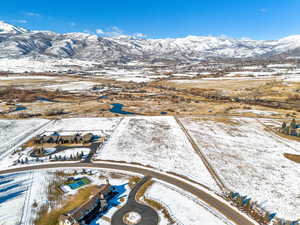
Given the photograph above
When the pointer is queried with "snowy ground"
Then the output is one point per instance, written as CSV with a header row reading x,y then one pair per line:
x,y
292,77
250,160
12,131
14,195
73,86
183,207
244,76
27,77
255,111
73,152
251,73
98,126
137,76
19,191
158,142
49,65
17,132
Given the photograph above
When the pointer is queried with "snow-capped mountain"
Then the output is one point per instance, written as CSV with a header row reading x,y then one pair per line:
x,y
16,42
6,28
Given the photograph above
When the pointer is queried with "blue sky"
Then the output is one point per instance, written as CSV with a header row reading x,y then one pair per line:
x,y
257,19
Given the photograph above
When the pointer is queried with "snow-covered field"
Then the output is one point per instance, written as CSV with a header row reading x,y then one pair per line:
x,y
49,65
17,194
292,77
73,86
19,191
84,124
73,152
205,80
12,131
98,126
27,77
250,160
244,76
136,76
158,142
251,73
183,207
256,111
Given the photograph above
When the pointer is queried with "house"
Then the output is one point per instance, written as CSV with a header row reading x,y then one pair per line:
x,y
46,139
55,138
89,209
292,128
88,137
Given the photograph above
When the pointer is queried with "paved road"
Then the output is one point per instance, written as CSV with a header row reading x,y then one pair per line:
x,y
94,147
228,211
148,215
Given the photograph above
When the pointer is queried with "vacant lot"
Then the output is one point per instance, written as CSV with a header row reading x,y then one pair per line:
x,y
251,161
12,131
158,142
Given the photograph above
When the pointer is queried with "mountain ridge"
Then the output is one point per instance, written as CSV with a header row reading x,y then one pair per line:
x,y
17,42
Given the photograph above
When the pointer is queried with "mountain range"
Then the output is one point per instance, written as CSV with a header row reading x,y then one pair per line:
x,y
17,42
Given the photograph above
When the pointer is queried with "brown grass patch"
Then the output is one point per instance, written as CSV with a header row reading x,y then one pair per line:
x,y
133,181
292,138
143,189
116,175
224,120
293,157
156,205
51,218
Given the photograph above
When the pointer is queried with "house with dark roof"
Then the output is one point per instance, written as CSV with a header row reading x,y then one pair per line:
x,y
292,128
55,138
89,209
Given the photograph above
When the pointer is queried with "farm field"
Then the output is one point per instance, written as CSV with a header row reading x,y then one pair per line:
x,y
250,160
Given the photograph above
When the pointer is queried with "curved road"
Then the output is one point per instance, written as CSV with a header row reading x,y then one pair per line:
x,y
230,212
148,215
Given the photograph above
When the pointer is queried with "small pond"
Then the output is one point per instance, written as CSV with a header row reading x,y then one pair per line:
x,y
103,97
20,108
117,108
42,99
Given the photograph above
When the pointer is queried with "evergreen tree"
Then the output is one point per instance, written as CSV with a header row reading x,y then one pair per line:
x,y
293,124
283,125
240,201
